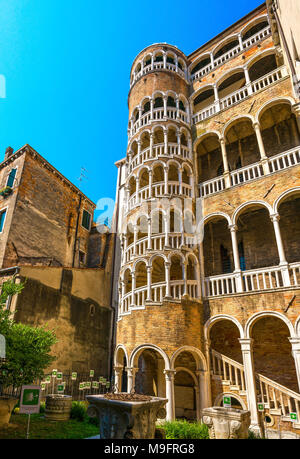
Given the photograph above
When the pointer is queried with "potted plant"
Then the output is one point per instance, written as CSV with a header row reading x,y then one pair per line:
x,y
27,353
126,416
6,191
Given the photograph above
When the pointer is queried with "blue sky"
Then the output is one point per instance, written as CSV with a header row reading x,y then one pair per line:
x,y
67,66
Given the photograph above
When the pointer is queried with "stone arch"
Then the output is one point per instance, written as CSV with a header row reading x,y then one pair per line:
x,y
208,325
282,197
255,317
221,44
249,204
197,354
118,348
271,103
297,327
234,121
139,349
210,217
252,23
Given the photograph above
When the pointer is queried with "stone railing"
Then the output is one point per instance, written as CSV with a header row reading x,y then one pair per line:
x,y
277,399
238,96
172,114
259,36
253,280
157,66
230,371
160,150
252,172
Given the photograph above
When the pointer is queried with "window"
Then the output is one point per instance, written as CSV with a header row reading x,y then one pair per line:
x,y
11,178
225,259
2,219
86,220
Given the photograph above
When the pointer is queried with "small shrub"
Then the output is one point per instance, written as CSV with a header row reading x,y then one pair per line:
x,y
184,430
78,411
42,407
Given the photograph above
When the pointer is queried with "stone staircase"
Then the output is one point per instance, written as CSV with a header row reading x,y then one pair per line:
x,y
278,400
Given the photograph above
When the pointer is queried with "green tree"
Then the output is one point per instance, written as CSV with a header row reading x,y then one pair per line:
x,y
27,348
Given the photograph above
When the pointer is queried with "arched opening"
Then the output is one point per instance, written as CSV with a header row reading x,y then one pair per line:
x,y
157,223
128,281
173,173
204,62
159,57
175,222
130,234
158,270
231,84
254,29
144,178
146,106
226,47
145,140
158,136
256,238
204,99
147,60
171,102
186,175
132,186
134,148
172,135
142,224
176,268
217,247
279,129
141,274
121,361
150,379
185,395
272,351
289,211
209,158
224,336
241,145
262,67
158,102
184,141
192,269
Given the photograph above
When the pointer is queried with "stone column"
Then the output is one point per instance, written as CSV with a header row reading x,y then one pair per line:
x,y
166,225
165,98
150,183
165,60
180,180
140,116
217,100
131,372
151,108
176,63
178,134
133,279
151,144
203,385
170,394
177,107
198,402
262,152
149,234
184,276
167,275
122,296
236,256
208,379
135,235
248,81
137,190
212,60
241,41
295,342
118,378
282,259
152,62
166,172
166,141
246,347
149,281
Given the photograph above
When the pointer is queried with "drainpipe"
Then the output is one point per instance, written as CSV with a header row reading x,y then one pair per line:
x,y
76,231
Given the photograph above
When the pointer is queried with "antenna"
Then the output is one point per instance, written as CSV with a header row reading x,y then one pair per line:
x,y
82,175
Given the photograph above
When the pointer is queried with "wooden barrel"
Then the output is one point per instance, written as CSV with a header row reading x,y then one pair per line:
x,y
58,407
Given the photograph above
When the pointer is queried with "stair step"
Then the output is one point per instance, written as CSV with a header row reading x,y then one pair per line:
x,y
226,383
276,412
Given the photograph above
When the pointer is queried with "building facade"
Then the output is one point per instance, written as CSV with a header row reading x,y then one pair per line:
x,y
209,221
49,242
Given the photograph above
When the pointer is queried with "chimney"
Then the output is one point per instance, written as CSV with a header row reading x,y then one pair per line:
x,y
8,152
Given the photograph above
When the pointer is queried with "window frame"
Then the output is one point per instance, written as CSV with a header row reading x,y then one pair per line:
x,y
90,222
16,169
1,212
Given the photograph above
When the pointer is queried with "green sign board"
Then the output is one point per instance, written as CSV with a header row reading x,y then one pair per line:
x,y
95,385
294,417
261,407
81,386
43,386
54,373
101,379
30,400
59,375
107,385
92,373
227,401
48,379
74,376
60,388
88,385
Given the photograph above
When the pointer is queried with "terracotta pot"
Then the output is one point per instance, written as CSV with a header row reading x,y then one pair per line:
x,y
58,407
7,405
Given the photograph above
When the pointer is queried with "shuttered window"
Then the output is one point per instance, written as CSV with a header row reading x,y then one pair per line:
x,y
11,178
2,219
86,220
